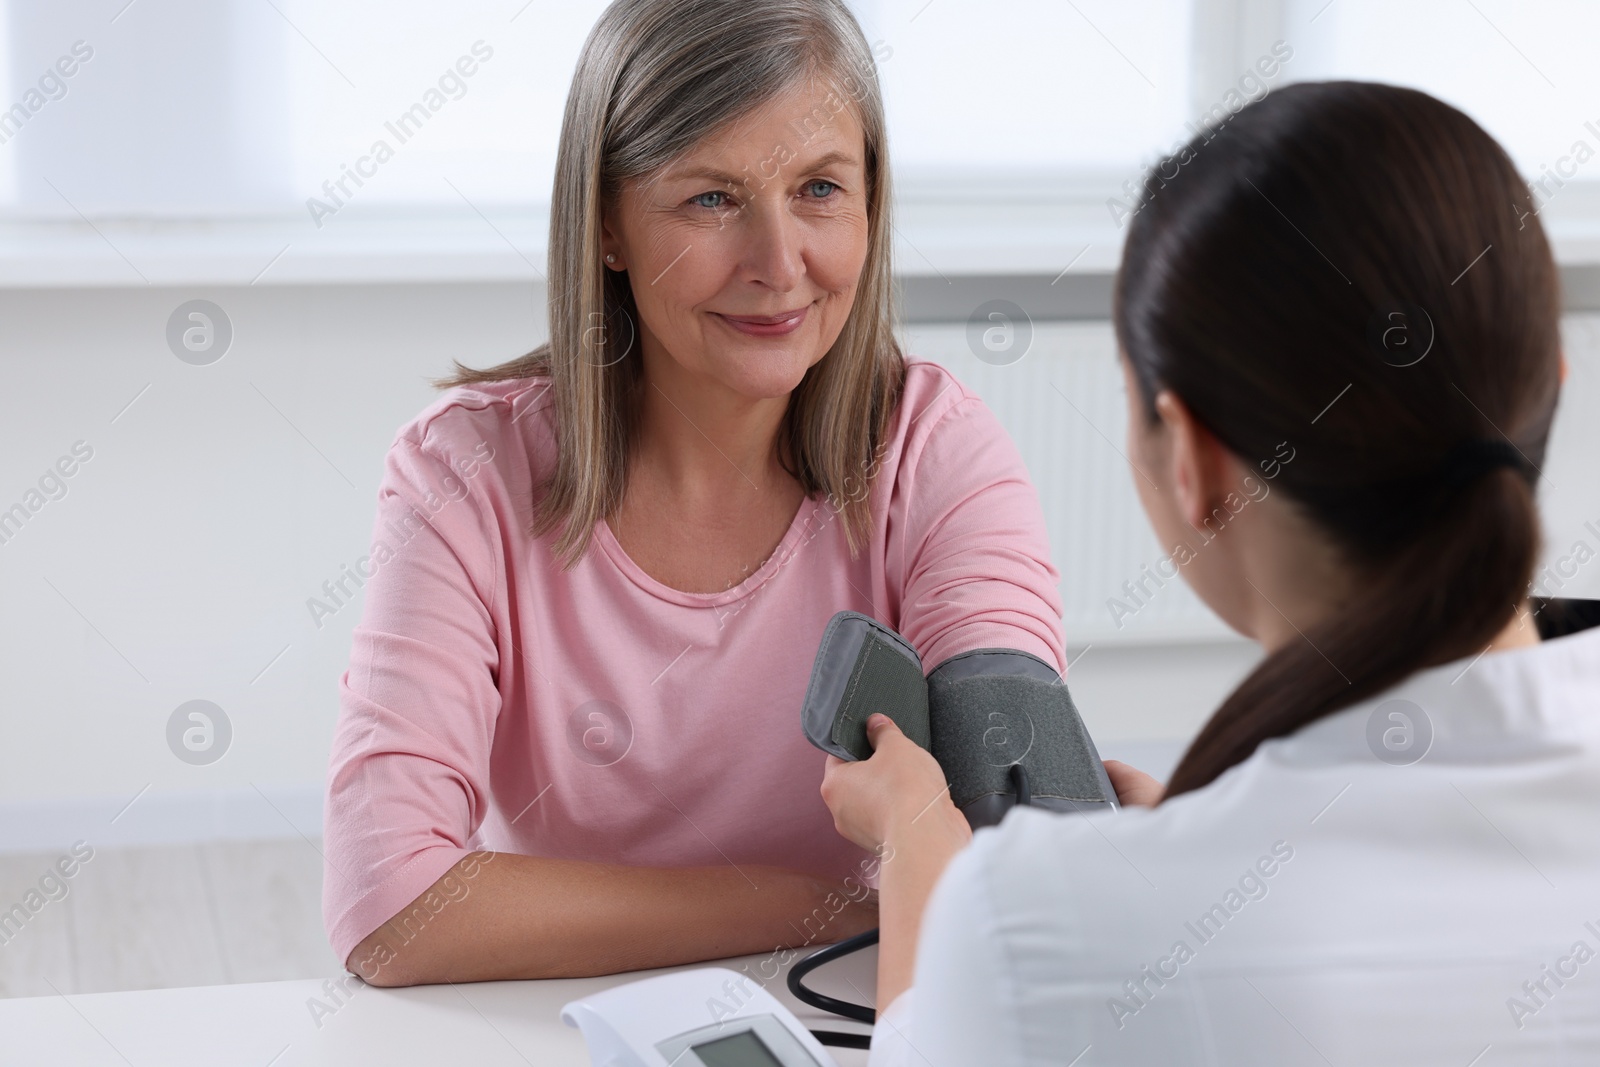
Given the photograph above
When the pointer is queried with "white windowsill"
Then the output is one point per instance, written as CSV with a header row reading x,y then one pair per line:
x,y
945,237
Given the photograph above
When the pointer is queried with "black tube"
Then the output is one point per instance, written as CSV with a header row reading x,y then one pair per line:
x,y
822,1000
840,1039
1019,781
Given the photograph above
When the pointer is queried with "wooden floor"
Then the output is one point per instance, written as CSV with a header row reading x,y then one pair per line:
x,y
160,917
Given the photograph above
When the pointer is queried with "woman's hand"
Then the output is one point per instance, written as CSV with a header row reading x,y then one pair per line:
x,y
1134,787
848,912
877,799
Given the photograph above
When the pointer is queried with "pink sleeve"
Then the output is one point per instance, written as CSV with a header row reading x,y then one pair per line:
x,y
977,557
408,774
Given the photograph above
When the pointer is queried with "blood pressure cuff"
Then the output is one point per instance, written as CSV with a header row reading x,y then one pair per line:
x,y
979,713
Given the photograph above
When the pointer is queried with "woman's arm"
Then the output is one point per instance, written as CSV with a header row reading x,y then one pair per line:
x,y
498,915
897,799
973,558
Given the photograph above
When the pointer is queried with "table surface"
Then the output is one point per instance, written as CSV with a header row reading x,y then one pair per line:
x,y
299,1023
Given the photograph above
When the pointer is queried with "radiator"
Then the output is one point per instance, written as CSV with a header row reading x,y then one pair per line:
x,y
1063,405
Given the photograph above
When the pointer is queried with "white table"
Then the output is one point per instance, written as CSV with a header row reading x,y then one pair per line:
x,y
482,1024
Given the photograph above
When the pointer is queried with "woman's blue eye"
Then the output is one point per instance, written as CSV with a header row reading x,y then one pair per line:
x,y
826,188
698,200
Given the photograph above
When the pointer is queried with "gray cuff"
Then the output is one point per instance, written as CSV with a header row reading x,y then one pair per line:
x,y
863,667
991,708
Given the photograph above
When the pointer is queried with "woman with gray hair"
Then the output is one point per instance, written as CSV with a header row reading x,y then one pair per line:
x,y
568,742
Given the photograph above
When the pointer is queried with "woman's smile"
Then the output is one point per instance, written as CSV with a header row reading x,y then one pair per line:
x,y
779,325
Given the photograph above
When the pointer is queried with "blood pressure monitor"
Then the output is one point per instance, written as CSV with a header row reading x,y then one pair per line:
x,y
709,1017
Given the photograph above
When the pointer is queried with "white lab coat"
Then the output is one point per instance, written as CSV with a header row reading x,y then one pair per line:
x,y
1313,905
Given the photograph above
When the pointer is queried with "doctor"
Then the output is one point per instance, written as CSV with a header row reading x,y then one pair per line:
x,y
566,743
1381,848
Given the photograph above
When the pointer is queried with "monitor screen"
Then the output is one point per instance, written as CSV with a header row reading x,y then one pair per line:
x,y
741,1050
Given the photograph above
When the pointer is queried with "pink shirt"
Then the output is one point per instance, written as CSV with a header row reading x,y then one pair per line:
x,y
495,702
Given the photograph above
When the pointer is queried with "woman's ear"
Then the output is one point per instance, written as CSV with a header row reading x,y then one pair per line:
x,y
1197,460
610,246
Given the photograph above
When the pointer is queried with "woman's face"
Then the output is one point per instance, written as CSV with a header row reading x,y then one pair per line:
x,y
744,255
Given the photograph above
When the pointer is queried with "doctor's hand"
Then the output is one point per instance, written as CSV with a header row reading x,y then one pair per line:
x,y
897,803
898,791
1134,787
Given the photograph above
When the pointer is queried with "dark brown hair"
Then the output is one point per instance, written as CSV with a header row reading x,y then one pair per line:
x,y
1370,248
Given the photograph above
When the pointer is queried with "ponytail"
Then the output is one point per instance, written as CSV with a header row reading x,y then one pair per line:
x,y
1442,597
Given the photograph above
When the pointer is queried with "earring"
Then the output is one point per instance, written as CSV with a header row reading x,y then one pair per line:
x,y
610,257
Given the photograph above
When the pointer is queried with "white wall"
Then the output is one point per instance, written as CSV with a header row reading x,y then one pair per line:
x,y
178,564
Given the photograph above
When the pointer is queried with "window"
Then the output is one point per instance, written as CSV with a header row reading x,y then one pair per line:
x,y
1012,121
1525,70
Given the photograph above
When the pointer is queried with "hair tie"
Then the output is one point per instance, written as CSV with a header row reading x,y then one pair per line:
x,y
1470,460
